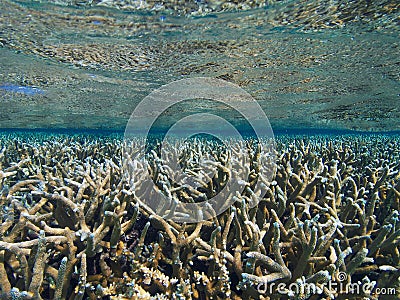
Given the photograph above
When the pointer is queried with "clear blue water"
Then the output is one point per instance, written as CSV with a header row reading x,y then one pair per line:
x,y
326,75
310,65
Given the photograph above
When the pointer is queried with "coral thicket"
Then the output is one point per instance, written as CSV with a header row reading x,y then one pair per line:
x,y
73,227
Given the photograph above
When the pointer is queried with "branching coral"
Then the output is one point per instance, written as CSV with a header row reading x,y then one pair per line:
x,y
73,226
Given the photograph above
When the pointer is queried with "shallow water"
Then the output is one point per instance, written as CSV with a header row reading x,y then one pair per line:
x,y
82,211
309,65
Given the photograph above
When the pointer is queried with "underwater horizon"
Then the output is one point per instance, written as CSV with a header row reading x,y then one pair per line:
x,y
204,149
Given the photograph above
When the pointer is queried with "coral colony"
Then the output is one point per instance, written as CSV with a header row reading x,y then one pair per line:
x,y
73,226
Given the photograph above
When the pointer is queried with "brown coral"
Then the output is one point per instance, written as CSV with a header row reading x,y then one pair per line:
x,y
72,227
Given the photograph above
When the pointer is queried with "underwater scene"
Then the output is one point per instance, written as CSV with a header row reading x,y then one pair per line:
x,y
203,149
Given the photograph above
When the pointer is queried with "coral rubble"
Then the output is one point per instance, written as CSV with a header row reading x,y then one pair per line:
x,y
73,227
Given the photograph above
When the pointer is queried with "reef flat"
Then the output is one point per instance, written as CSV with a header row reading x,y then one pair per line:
x,y
72,226
337,60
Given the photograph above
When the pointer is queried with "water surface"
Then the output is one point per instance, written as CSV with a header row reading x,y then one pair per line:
x,y
318,64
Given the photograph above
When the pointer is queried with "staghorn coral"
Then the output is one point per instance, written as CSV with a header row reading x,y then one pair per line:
x,y
74,227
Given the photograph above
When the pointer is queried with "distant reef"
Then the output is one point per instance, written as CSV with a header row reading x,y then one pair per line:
x,y
73,227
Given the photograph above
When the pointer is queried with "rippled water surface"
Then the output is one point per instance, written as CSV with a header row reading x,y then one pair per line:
x,y
318,64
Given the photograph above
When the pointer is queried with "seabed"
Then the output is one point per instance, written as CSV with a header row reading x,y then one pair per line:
x,y
73,227
318,212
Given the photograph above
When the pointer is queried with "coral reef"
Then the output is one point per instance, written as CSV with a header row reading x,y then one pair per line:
x,y
73,227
